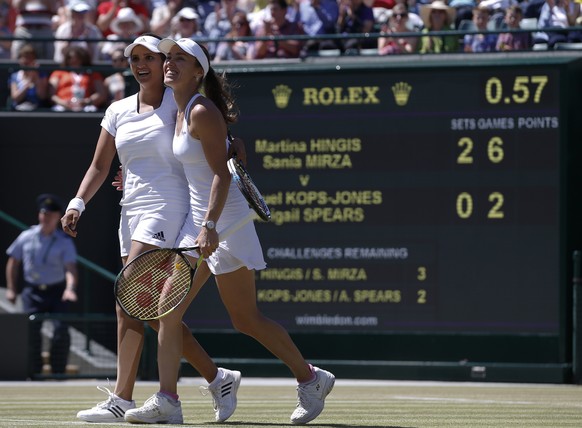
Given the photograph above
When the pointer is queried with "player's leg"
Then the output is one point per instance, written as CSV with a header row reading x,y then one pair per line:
x,y
164,406
222,383
175,339
192,351
129,347
170,348
130,339
238,293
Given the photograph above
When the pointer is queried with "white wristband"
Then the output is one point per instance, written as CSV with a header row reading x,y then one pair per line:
x,y
76,204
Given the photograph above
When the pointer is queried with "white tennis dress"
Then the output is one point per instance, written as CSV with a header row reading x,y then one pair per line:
x,y
155,197
242,248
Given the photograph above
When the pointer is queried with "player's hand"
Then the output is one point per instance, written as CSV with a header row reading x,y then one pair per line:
x,y
207,242
118,179
69,222
237,147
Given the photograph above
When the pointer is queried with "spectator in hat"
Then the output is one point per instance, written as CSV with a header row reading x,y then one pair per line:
x,y
34,25
186,24
126,26
77,26
48,259
437,16
108,11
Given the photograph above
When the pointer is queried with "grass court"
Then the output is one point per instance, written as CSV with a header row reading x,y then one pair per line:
x,y
267,403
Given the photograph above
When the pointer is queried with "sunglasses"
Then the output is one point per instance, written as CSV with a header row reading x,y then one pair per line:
x,y
400,15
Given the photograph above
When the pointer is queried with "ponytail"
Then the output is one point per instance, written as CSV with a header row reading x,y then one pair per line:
x,y
218,90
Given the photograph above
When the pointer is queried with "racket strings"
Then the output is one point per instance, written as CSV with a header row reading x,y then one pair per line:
x,y
251,192
153,284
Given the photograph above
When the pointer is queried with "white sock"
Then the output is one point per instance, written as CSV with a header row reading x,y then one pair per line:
x,y
218,378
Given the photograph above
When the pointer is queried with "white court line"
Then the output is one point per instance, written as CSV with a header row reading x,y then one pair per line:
x,y
460,400
478,401
258,381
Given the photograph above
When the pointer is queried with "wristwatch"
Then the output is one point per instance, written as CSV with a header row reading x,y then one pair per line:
x,y
208,224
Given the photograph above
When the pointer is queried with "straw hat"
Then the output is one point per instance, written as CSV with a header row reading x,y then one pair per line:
x,y
126,14
426,9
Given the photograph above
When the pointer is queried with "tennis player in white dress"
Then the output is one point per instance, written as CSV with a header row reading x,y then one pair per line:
x,y
200,145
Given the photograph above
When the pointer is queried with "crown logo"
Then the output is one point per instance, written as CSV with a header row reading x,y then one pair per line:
x,y
401,91
282,93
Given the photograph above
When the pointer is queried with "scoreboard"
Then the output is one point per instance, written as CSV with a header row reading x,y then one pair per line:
x,y
412,199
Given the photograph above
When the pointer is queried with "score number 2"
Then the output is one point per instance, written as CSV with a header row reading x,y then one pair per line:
x,y
521,92
421,294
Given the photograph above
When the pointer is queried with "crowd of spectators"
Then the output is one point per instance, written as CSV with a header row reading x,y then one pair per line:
x,y
96,30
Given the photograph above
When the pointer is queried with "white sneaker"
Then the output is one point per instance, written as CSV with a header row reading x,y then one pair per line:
x,y
311,397
111,410
157,409
223,390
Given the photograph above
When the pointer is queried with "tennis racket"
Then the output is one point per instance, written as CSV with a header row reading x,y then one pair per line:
x,y
154,283
247,187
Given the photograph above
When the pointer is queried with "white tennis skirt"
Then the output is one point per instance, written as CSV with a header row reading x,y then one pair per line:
x,y
241,249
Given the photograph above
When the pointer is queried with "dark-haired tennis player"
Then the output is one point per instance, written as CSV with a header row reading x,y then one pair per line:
x,y
216,203
155,198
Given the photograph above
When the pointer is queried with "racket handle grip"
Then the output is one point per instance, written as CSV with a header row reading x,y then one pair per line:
x,y
236,226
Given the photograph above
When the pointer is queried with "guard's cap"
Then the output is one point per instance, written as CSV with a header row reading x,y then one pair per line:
x,y
49,202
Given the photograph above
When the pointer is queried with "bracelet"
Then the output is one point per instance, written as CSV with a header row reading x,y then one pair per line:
x,y
76,204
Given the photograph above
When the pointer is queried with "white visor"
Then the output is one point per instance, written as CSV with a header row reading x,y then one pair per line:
x,y
148,42
190,47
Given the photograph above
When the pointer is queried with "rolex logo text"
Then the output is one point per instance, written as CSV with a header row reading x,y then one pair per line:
x,y
352,95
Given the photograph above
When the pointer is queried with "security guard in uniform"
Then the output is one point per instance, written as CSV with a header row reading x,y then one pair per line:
x,y
48,258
